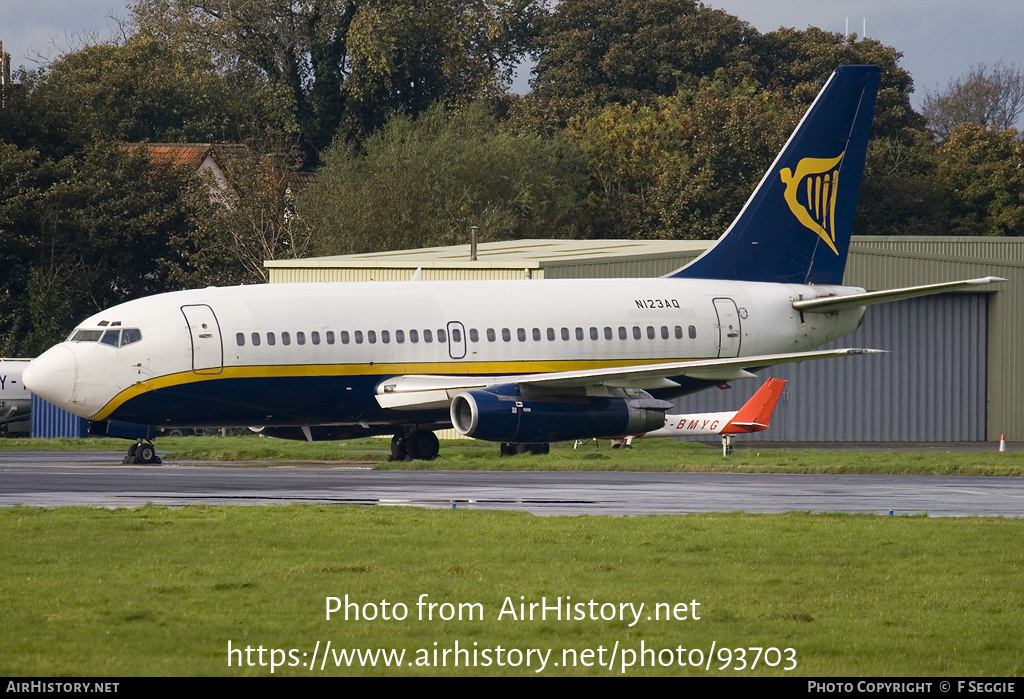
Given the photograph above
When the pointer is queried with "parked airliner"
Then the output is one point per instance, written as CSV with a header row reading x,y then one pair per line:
x,y
15,400
517,362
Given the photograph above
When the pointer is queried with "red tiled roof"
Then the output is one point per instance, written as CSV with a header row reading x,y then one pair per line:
x,y
191,154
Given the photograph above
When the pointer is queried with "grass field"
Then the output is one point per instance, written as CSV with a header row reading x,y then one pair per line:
x,y
162,591
648,455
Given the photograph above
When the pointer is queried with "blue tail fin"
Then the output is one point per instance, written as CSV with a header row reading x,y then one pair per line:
x,y
796,226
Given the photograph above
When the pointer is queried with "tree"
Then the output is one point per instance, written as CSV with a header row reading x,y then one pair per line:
x,y
597,52
138,90
251,220
424,182
352,64
982,177
683,168
986,96
900,193
81,234
592,53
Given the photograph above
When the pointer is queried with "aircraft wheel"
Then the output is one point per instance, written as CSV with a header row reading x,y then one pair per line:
x,y
129,458
423,445
145,453
540,448
399,448
508,449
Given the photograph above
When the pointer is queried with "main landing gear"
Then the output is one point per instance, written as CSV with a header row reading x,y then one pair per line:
x,y
414,444
142,452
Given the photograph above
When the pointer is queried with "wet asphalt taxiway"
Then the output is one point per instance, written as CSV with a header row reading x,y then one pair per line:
x,y
54,479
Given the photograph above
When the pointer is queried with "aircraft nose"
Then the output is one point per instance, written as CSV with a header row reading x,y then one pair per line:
x,y
51,376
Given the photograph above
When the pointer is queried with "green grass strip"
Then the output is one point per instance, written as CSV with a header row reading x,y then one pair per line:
x,y
647,455
163,591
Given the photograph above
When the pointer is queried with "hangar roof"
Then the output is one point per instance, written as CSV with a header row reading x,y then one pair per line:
x,y
535,254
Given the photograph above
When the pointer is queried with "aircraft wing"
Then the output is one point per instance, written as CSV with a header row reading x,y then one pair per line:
x,y
422,391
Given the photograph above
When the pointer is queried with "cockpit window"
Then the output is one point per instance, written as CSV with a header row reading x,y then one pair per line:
x,y
115,337
130,335
86,336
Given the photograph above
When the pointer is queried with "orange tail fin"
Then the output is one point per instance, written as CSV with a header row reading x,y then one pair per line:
x,y
756,413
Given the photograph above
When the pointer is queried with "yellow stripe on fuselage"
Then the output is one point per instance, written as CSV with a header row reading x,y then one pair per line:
x,y
511,368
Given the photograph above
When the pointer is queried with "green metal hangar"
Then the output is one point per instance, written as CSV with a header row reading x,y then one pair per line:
x,y
953,371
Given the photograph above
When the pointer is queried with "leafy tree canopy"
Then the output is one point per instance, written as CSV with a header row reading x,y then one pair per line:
x,y
350,64
426,181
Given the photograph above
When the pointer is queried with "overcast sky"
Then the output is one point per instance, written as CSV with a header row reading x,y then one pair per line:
x,y
940,39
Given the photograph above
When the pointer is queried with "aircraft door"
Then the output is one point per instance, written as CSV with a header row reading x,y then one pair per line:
x,y
728,328
456,340
207,347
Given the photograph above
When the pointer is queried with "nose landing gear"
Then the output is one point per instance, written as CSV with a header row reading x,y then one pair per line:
x,y
142,452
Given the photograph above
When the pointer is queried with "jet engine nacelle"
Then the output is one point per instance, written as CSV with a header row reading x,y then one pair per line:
x,y
502,414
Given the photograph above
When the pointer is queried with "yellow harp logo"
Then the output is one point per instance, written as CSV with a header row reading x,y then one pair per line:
x,y
817,180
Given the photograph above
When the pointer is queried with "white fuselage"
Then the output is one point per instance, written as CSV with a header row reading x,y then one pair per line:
x,y
15,400
319,348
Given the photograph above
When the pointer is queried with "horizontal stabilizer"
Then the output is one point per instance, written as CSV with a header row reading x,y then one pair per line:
x,y
828,304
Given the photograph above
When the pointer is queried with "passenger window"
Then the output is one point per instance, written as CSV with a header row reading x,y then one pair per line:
x,y
240,339
371,337
565,334
551,334
579,333
300,338
344,337
400,336
442,336
330,337
693,333
286,338
474,336
358,336
664,332
521,334
536,334
414,336
607,333
622,333
456,335
255,337
271,339
385,336
506,335
491,337
637,334
315,337
650,332
679,332
427,336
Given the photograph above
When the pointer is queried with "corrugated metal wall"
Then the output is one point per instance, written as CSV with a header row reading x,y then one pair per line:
x,y
931,386
50,421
